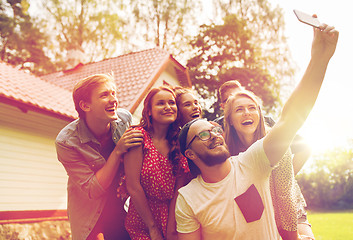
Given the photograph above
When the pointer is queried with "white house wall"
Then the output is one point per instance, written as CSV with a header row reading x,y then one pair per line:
x,y
168,76
31,177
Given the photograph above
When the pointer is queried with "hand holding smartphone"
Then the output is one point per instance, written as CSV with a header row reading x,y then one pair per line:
x,y
306,18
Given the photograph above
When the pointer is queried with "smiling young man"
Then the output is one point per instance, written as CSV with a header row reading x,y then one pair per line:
x,y
230,198
91,149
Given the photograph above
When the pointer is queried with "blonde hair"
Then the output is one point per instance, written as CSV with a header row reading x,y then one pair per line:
x,y
84,88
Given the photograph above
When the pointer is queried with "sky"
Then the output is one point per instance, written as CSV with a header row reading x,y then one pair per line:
x,y
330,124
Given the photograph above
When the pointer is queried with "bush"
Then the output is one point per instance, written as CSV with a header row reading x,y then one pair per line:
x,y
328,184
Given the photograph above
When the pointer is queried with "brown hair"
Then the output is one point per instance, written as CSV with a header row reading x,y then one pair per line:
x,y
231,84
173,130
180,91
233,142
83,89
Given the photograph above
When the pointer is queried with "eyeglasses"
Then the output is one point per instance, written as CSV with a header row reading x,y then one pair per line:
x,y
206,134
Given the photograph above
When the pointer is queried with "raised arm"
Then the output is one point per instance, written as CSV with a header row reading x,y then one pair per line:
x,y
301,101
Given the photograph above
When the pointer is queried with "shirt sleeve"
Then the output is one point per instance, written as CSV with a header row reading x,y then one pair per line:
x,y
81,172
185,218
282,185
255,159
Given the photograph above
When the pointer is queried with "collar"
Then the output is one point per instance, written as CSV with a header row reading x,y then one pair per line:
x,y
84,133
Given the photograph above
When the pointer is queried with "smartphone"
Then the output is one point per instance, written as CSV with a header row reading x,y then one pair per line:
x,y
306,18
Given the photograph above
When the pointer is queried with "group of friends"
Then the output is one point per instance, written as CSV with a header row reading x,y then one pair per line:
x,y
182,177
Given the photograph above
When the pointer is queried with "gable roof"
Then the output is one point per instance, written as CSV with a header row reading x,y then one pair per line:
x,y
28,92
135,74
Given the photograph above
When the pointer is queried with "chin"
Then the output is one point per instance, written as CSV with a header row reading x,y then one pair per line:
x,y
114,117
216,158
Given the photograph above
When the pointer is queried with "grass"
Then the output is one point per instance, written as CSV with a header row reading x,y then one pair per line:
x,y
332,225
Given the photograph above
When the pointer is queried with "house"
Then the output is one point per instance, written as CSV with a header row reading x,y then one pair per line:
x,y
34,109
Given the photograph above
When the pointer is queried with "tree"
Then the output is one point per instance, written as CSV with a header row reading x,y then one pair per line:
x,y
247,45
328,184
267,26
22,41
164,23
91,26
224,52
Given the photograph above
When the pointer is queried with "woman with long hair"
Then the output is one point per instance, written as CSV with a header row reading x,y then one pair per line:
x,y
189,107
244,124
155,170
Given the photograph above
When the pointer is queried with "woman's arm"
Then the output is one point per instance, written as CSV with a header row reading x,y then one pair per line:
x,y
190,236
133,164
171,225
299,159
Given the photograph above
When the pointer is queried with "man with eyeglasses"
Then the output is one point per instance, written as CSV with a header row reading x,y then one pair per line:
x,y
230,196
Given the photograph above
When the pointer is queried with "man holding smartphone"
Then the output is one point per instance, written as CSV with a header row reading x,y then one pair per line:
x,y
230,198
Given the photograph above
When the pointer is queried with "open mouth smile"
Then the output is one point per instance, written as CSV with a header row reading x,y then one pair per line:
x,y
215,144
247,122
195,115
110,109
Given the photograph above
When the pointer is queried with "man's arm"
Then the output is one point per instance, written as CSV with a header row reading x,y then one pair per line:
x,y
300,149
79,170
131,138
301,101
188,226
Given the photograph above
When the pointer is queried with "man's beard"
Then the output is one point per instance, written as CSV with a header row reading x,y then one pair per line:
x,y
211,160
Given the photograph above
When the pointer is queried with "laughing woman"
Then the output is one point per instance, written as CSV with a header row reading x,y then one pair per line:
x,y
188,105
155,171
244,124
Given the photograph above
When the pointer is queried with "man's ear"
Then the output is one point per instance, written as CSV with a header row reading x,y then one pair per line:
x,y
190,154
84,106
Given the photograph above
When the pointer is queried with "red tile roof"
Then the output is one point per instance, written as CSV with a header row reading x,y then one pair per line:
x,y
135,73
25,90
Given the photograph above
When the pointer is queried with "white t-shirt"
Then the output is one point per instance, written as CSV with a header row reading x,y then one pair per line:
x,y
213,208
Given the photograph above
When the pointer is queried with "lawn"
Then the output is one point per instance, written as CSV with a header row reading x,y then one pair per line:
x,y
332,225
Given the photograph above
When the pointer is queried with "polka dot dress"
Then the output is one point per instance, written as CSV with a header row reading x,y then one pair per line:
x,y
158,182
284,194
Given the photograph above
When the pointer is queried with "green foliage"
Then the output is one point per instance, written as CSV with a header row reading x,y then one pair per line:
x,y
267,26
225,52
92,26
163,23
329,183
22,41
